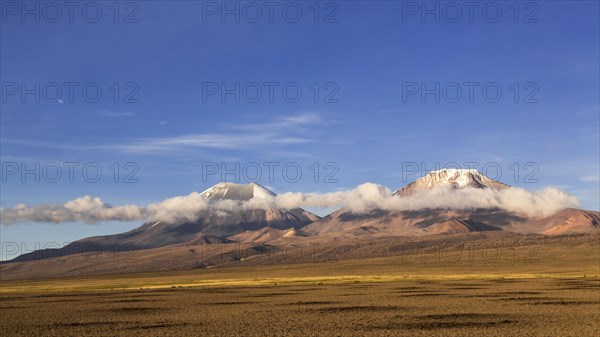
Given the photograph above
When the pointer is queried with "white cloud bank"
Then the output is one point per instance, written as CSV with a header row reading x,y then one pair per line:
x,y
86,209
369,196
361,199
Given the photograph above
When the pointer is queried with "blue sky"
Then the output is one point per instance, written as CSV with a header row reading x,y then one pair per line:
x,y
364,121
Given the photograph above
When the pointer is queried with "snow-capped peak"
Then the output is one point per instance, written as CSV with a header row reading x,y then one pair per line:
x,y
455,178
232,191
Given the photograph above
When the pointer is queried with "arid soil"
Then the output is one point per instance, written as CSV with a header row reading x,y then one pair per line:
x,y
486,286
500,307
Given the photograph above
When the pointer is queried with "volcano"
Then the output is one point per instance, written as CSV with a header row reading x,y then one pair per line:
x,y
454,178
210,226
240,223
345,223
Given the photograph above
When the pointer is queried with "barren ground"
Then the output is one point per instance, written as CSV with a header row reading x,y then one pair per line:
x,y
553,292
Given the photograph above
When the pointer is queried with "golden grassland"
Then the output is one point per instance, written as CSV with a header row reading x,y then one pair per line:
x,y
545,291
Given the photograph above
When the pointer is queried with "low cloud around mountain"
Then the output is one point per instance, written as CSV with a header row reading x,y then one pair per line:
x,y
363,198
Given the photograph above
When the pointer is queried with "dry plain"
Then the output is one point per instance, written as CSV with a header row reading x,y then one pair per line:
x,y
557,293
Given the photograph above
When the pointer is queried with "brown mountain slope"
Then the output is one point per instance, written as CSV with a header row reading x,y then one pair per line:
x,y
267,234
344,223
313,249
568,221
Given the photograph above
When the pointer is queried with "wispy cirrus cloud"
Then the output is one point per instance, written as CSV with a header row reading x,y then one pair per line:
x,y
108,113
292,122
276,133
214,141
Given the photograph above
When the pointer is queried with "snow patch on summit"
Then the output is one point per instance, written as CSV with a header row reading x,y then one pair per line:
x,y
454,178
232,191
